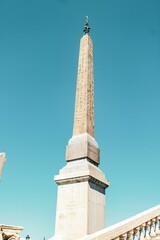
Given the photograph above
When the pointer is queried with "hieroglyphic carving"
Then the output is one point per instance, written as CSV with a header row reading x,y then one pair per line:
x,y
84,105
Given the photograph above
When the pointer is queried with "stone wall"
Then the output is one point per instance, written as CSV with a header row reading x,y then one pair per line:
x,y
10,232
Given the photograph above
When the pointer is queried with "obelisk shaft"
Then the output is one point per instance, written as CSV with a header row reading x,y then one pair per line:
x,y
83,144
84,105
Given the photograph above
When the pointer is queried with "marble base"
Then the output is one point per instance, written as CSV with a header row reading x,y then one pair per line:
x,y
80,201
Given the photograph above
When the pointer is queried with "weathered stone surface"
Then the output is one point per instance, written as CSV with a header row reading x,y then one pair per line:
x,y
82,146
84,105
77,170
8,232
81,200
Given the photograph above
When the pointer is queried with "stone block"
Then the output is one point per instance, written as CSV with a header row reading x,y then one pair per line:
x,y
83,146
81,200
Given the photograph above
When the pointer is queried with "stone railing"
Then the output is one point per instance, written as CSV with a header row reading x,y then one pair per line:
x,y
145,225
10,232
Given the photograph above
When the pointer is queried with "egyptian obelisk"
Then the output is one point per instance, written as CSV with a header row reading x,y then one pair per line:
x,y
81,184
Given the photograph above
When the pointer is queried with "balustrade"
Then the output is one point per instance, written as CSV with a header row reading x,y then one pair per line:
x,y
143,226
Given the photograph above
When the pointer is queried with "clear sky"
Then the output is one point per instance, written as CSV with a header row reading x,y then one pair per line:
x,y
39,47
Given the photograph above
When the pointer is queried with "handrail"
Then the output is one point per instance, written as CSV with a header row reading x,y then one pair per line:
x,y
139,224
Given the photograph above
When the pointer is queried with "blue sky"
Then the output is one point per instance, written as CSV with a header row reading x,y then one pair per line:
x,y
39,47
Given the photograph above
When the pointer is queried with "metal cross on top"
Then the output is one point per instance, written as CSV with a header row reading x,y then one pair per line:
x,y
86,26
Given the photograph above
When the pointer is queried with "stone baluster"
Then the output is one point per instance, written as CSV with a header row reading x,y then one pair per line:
x,y
158,228
147,231
129,235
142,227
123,237
153,233
141,231
135,233
1,235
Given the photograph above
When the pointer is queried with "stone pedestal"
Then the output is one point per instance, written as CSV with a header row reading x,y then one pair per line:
x,y
83,146
81,200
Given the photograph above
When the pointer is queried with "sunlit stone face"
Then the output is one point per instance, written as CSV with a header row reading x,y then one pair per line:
x,y
83,144
84,105
2,160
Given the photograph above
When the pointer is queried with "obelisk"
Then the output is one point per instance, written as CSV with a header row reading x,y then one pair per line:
x,y
81,184
83,144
